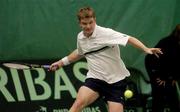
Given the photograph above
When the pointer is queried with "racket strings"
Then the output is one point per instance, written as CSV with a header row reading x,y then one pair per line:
x,y
25,66
16,66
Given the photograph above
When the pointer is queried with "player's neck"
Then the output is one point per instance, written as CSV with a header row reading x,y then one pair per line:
x,y
87,35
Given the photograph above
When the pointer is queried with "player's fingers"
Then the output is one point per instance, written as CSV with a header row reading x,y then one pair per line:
x,y
53,67
158,50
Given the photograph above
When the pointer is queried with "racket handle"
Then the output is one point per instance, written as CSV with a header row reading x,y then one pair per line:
x,y
46,66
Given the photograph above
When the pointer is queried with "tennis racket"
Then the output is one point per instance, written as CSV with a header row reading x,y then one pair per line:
x,y
22,66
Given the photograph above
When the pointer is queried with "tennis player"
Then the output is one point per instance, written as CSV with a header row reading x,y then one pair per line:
x,y
107,72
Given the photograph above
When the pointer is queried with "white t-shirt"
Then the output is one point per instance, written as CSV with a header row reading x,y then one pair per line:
x,y
106,64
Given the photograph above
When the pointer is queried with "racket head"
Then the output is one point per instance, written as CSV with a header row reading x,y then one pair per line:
x,y
16,66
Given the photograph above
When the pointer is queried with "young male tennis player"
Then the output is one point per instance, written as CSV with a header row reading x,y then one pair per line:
x,y
107,72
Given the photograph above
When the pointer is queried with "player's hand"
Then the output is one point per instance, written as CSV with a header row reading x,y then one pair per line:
x,y
161,82
55,66
155,51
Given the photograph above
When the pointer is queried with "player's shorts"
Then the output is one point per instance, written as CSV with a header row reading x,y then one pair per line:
x,y
109,92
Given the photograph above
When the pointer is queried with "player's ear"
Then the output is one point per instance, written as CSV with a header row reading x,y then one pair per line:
x,y
95,18
80,24
79,21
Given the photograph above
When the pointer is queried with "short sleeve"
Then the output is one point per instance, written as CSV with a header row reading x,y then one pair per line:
x,y
79,49
112,37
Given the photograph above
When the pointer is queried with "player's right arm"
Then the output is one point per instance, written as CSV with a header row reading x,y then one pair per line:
x,y
72,57
138,44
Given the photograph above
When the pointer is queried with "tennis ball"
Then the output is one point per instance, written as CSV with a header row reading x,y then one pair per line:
x,y
128,93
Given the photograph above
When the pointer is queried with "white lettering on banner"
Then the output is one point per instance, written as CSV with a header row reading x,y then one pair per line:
x,y
87,109
38,81
32,82
76,70
60,110
67,87
17,84
92,109
3,89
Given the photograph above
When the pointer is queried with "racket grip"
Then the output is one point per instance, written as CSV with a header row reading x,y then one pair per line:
x,y
46,66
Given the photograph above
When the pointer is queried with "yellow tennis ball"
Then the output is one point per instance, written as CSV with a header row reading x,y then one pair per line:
x,y
128,93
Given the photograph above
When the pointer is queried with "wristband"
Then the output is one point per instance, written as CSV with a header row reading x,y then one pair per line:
x,y
65,61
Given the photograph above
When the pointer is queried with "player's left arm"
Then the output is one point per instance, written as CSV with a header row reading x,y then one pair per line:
x,y
138,44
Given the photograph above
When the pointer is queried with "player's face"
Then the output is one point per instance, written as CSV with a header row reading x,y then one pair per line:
x,y
88,25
